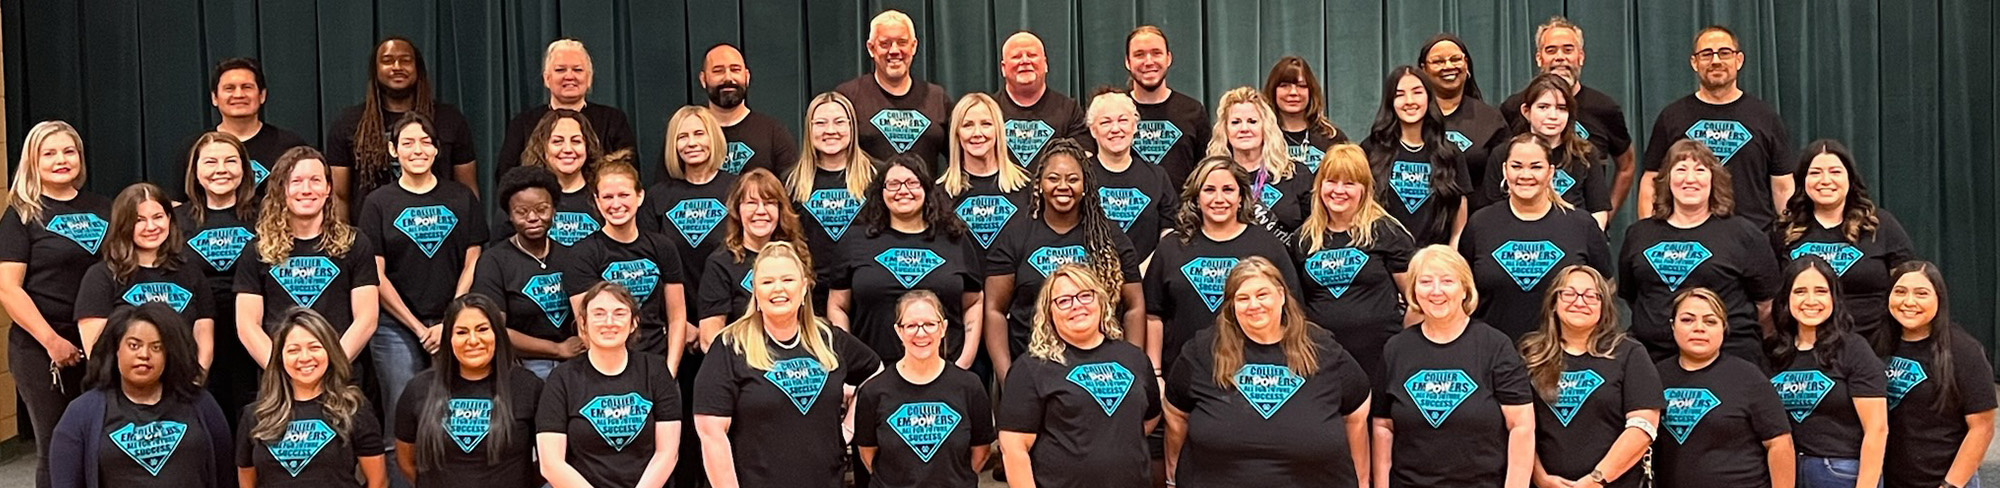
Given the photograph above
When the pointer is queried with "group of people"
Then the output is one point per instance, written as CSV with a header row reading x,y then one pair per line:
x,y
916,282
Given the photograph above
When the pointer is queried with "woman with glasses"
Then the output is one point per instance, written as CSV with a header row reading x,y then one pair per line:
x,y
1075,410
925,422
1597,393
905,240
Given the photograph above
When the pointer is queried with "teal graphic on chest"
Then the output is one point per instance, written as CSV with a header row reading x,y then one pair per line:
x,y
1674,261
1154,138
834,209
1581,131
569,227
1412,183
302,441
739,155
305,278
1801,391
258,170
1573,389
924,426
427,226
1840,255
85,229
1458,139
1723,137
909,265
1685,409
1306,154
220,246
901,128
985,216
1335,269
746,280
1207,276
1025,139
546,291
1562,182
1046,259
1436,393
1527,262
1106,383
1269,195
618,418
800,379
639,276
150,444
1904,375
1267,386
467,421
695,217
1123,205
159,292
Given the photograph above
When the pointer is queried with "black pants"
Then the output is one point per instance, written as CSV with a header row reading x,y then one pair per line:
x,y
689,472
45,398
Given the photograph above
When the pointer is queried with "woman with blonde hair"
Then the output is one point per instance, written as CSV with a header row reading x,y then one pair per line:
x,y
1516,245
981,178
306,256
1597,394
310,425
1076,367
1694,241
1248,133
692,202
1352,259
831,180
1727,426
1141,198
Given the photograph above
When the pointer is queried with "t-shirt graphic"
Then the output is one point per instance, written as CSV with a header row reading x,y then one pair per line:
x,y
1438,392
1562,182
1335,268
1801,391
468,422
618,418
1412,183
1685,408
908,264
1025,139
428,226
1458,139
305,278
1306,154
639,276
1267,386
695,217
150,444
85,229
303,440
547,292
800,378
569,227
1581,131
258,170
159,292
900,127
1269,196
1675,260
1208,276
1904,375
1723,137
220,246
746,281
739,155
924,426
1106,382
985,216
834,208
1123,205
1840,255
1527,262
1573,389
1154,138
1047,259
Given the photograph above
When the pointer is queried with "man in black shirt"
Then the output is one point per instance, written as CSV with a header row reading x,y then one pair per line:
x,y
567,73
238,94
1173,127
1599,119
755,140
398,84
1742,131
896,113
1035,114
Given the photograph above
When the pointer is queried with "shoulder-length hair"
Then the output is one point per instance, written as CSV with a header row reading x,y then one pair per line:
x,y
26,193
936,211
1944,333
1440,256
1188,218
274,230
1385,136
1548,155
121,252
1858,219
1344,162
956,180
339,398
246,186
746,335
1277,158
1576,151
433,443
761,182
718,145
1294,69
1301,355
1782,346
1721,193
1043,341
860,169
536,153
1543,349
1471,83
181,368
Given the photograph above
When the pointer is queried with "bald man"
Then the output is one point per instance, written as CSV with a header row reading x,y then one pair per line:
x,y
1035,114
567,74
755,140
895,112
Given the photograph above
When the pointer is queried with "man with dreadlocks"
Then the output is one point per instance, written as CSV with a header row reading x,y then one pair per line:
x,y
357,143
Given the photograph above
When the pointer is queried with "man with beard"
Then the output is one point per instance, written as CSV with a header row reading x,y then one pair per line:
x,y
357,142
1468,121
897,114
1035,114
238,92
567,73
1173,127
755,140
1742,131
1599,119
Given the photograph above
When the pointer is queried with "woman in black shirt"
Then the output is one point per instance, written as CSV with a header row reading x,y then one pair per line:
x,y
467,421
163,430
760,212
1248,133
984,182
906,240
1352,259
1138,197
310,426
646,263
1547,117
1516,245
690,204
143,265
1424,176
1940,387
1725,424
1832,216
568,147
830,181
1215,231
1829,380
218,222
1296,96
306,256
1077,368
532,277
1692,241
611,417
1598,392
904,418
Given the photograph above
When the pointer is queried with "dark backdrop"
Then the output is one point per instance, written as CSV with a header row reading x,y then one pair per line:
x,y
1907,83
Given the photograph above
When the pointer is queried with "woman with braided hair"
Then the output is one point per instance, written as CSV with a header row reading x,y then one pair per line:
x,y
358,151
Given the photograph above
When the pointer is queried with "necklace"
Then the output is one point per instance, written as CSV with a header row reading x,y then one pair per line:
x,y
516,240
1415,149
794,344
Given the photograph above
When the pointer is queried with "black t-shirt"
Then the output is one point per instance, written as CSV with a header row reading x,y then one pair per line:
x,y
1308,147
311,278
827,219
1586,188
725,284
877,270
1408,195
312,453
215,246
1282,206
1445,402
1029,250
1351,290
468,419
614,131
910,424
986,210
1746,134
1029,129
1863,266
1088,414
181,288
1713,429
790,428
64,239
1922,441
1479,130
1820,396
422,239
1173,134
916,122
759,141
576,217
1141,200
453,139
1595,117
644,267
1185,281
1723,254
1515,261
264,148
1252,434
609,419
535,292
690,215
1575,430
153,445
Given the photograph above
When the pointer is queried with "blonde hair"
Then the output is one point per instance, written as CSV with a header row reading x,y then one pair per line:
x,y
1548,187
860,170
1300,353
1438,255
27,190
1345,162
1043,341
274,229
1108,101
956,180
888,17
717,145
746,335
568,44
1277,159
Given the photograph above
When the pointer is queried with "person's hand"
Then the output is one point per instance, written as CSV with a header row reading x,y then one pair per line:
x,y
1553,481
62,352
570,348
432,337
693,334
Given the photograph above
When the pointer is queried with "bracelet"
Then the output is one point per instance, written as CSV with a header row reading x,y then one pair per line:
x,y
1652,432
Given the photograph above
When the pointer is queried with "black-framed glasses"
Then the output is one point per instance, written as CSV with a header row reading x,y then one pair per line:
x,y
1570,295
1446,60
1724,53
900,185
928,326
1066,302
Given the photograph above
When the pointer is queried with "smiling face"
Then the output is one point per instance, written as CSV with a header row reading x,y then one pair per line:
x,y
529,211
891,46
1440,293
1527,171
566,149
831,128
1411,100
1447,64
1342,196
1245,127
759,213
921,328
304,357
1690,181
1074,310
396,65
977,132
1913,302
567,75
1147,60
903,192
1560,52
237,94
1716,59
1547,115
1260,304
1220,197
472,340
607,322
60,161
306,189
142,358
1826,181
150,231
219,169
414,150
1810,299
779,285
1292,97
618,199
1061,183
1022,62
1699,328
1113,129
691,142
1578,304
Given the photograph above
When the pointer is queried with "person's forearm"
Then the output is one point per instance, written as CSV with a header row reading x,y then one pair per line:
x,y
1621,183
22,309
1155,336
1644,206
1014,458
718,458
531,346
677,326
1385,435
1520,455
366,314
465,274
1624,454
836,309
996,343
979,455
1134,322
1458,220
1781,193
88,329
1874,414
974,317
1175,438
666,447
375,470
467,174
392,301
1971,450
1782,461
204,342
406,460
250,328
710,327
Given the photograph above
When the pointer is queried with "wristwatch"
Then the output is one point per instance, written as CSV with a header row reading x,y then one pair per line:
x,y
1597,475
1947,484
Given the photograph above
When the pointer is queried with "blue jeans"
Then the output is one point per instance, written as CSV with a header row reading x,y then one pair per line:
x,y
1819,472
540,367
398,355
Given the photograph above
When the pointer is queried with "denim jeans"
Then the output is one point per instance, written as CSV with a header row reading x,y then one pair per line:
x,y
540,367
398,355
1819,472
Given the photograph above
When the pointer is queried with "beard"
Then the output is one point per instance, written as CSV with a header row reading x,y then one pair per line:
x,y
730,98
1143,86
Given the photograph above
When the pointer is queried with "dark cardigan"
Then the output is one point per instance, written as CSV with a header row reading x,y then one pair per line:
x,y
73,452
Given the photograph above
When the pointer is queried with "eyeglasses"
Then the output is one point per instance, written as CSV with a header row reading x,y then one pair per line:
x,y
1724,53
1066,302
1446,61
927,327
1571,296
900,185
530,210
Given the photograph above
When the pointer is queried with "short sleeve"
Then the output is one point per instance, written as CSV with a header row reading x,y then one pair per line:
x,y
1597,185
1510,376
666,393
1001,258
1394,245
204,298
1628,261
1128,258
249,270
1782,161
981,406
370,222
462,149
552,413
367,433
1973,374
476,232
975,273
245,445
1142,367
1021,399
486,278
1656,144
1597,246
858,359
1170,199
340,138
1181,378
1353,387
1896,246
15,249
406,407
866,418
715,385
715,290
1155,284
93,296
668,256
1865,375
361,258
581,270
1767,413
1760,269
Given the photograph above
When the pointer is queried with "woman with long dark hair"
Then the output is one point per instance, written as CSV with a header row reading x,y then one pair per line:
x,y
468,420
568,147
1725,425
1352,259
1300,102
611,417
1214,233
760,212
1829,379
907,240
1515,245
1597,393
923,407
1470,124
306,256
1548,117
1423,175
218,222
1076,409
1832,216
142,265
1694,240
310,426
1940,387
144,421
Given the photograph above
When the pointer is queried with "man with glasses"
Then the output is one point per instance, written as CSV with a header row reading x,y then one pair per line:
x,y
1035,114
1597,117
1742,131
1468,121
755,140
896,113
